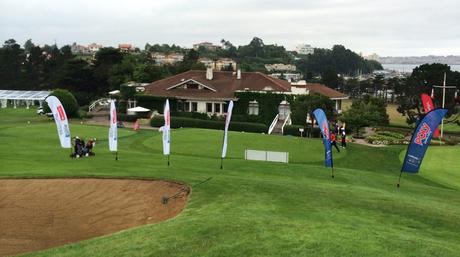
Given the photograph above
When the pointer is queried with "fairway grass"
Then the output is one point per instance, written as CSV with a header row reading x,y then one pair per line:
x,y
255,208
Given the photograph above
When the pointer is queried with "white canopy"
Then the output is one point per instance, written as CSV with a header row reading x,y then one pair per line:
x,y
138,109
23,95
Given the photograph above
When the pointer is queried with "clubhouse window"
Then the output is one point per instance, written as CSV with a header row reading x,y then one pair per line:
x,y
217,107
194,106
208,107
187,106
253,108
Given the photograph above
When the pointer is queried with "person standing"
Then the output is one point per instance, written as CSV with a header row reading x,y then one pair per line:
x,y
344,138
334,142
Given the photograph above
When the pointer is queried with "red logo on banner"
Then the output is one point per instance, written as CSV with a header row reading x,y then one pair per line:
x,y
167,118
61,113
114,116
326,130
422,134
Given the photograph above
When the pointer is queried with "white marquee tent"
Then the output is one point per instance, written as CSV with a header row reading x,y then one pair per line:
x,y
18,97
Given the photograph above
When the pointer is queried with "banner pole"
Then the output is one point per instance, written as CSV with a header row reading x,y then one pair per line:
x,y
399,180
168,159
333,172
221,163
116,156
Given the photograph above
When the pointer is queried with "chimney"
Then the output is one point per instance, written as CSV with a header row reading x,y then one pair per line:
x,y
238,74
209,73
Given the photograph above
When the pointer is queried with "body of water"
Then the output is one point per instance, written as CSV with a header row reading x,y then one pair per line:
x,y
410,67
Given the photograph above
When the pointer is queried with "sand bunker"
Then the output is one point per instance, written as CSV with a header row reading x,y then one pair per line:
x,y
42,213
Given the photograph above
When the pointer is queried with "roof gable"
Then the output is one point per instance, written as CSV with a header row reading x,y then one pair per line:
x,y
190,80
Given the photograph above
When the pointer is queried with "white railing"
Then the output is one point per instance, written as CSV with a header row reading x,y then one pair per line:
x,y
102,101
272,126
286,121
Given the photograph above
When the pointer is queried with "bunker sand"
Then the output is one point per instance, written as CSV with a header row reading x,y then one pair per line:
x,y
37,214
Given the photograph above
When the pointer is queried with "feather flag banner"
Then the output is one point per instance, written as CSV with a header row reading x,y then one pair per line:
x,y
62,123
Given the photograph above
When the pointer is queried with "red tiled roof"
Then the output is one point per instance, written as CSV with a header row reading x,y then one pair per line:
x,y
323,90
125,46
224,85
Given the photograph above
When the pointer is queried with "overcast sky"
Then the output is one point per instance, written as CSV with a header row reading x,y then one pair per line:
x,y
385,27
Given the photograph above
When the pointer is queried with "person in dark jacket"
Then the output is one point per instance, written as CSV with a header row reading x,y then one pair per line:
x,y
334,142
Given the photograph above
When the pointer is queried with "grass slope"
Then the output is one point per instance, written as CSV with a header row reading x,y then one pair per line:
x,y
255,208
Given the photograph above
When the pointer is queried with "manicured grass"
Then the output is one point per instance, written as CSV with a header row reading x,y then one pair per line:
x,y
442,165
256,208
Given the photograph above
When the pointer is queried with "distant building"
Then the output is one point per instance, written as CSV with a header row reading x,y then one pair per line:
x,y
79,49
218,65
162,59
125,48
302,88
304,49
287,76
207,45
94,47
209,63
280,67
224,64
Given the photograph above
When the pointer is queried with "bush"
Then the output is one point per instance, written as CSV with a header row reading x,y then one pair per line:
x,y
67,100
246,118
179,122
387,138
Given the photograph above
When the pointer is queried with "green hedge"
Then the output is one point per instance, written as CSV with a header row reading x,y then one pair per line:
x,y
179,122
293,130
193,115
268,104
155,103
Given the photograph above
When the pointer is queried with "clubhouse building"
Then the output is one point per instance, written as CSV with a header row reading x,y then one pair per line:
x,y
208,91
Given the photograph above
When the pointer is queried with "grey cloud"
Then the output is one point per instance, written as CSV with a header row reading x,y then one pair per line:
x,y
387,27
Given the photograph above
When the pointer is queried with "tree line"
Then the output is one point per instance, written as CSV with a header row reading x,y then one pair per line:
x,y
33,67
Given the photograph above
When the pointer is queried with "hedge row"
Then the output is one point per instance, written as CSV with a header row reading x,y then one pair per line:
x,y
293,130
179,122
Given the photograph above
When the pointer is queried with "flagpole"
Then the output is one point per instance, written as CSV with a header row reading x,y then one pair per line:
x,y
399,180
443,103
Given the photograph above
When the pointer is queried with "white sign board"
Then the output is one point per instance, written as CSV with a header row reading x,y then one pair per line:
x,y
269,156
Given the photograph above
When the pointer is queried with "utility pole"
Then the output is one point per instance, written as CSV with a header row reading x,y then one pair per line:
x,y
444,100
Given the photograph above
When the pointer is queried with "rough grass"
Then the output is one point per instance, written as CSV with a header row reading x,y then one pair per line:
x,y
256,208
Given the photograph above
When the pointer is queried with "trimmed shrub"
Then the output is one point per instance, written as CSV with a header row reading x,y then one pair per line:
x,y
179,122
387,138
193,115
68,101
